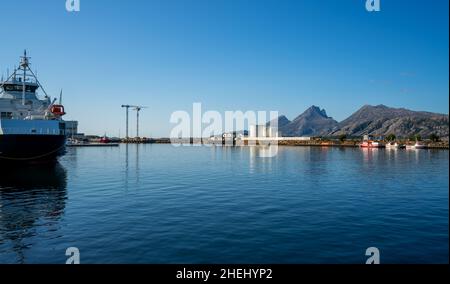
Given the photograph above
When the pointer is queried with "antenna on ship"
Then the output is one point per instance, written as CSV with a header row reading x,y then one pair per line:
x,y
24,66
7,80
24,63
60,97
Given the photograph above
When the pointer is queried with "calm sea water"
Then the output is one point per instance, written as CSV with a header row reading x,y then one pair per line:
x,y
161,204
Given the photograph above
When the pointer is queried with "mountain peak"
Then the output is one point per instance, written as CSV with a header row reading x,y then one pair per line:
x,y
381,106
316,110
282,121
313,122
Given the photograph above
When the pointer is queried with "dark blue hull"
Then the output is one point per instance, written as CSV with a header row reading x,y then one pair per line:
x,y
25,148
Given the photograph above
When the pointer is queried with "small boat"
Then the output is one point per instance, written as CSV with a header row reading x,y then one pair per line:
x,y
371,144
105,140
416,146
394,145
71,141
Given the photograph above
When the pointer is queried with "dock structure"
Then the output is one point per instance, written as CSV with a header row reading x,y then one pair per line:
x,y
136,140
93,145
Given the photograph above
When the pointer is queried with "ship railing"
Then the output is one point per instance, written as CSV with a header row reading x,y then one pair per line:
x,y
33,131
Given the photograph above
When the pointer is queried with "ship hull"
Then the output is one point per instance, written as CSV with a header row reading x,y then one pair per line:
x,y
29,148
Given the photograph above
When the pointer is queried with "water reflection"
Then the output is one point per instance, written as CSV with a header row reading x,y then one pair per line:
x,y
132,164
262,158
137,163
370,155
30,197
414,155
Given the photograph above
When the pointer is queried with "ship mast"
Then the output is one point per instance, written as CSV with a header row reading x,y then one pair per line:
x,y
24,66
25,63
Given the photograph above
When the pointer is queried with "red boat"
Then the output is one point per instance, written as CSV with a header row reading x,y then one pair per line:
x,y
105,140
371,144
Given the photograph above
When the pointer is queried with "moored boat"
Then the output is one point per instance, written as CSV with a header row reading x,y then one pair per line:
x,y
371,144
394,145
31,128
105,140
417,146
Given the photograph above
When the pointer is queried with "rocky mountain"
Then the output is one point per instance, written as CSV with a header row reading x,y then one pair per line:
x,y
383,120
373,120
282,121
313,122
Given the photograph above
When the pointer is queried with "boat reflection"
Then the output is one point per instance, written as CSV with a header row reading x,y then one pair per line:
x,y
30,195
370,154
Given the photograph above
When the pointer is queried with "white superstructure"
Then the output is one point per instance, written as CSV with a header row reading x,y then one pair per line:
x,y
21,109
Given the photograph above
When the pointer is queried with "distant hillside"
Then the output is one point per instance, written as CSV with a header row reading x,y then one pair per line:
x,y
372,120
383,120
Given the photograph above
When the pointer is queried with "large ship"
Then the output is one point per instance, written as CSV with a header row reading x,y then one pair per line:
x,y
31,126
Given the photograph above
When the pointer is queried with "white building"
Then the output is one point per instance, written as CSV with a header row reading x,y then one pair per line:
x,y
262,131
367,137
267,133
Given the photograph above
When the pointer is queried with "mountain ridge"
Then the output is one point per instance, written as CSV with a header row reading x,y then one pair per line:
x,y
372,120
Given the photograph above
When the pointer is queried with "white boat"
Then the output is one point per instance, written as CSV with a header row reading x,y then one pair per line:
x,y
394,145
416,146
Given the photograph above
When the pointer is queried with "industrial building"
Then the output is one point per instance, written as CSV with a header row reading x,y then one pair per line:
x,y
267,133
263,131
71,128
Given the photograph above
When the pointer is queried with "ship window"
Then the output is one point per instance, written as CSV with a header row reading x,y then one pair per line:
x,y
18,88
30,89
6,115
13,88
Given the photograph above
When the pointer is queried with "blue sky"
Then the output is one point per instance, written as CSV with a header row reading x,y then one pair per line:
x,y
230,55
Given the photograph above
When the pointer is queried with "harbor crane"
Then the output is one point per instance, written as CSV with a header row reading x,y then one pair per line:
x,y
138,110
